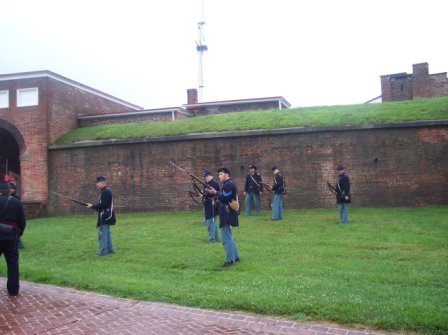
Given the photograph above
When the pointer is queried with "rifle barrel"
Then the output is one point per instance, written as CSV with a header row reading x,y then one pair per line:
x,y
190,174
70,198
187,190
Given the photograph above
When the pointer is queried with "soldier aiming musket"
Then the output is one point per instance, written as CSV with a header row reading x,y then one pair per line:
x,y
194,180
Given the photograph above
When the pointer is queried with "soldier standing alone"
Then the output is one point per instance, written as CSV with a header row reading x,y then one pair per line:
x,y
278,188
343,197
253,189
106,217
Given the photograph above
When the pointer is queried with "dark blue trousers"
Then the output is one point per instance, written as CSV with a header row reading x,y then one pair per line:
x,y
9,249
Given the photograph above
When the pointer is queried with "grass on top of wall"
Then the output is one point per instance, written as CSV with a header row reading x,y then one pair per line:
x,y
385,270
412,110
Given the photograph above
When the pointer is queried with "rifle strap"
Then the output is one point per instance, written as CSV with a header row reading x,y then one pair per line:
x,y
258,185
254,180
339,186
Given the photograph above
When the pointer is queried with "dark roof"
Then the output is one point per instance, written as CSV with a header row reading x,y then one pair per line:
x,y
399,75
136,113
279,99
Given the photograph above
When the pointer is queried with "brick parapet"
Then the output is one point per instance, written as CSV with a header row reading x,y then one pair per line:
x,y
138,116
420,84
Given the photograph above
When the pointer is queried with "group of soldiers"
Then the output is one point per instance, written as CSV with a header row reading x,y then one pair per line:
x,y
218,202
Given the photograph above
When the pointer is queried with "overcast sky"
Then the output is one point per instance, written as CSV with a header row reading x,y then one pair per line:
x,y
314,52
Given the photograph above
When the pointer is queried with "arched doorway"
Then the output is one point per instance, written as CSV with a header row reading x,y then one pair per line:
x,y
11,143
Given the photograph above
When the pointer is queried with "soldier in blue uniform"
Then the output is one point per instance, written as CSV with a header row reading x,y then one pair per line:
x,y
343,198
12,226
228,217
13,193
278,188
106,217
253,189
211,206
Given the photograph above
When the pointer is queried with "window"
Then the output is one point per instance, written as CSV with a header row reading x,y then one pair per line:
x,y
4,99
27,97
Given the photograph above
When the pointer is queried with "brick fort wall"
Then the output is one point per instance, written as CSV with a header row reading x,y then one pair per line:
x,y
389,165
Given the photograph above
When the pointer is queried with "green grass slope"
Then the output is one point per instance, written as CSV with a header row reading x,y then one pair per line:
x,y
362,114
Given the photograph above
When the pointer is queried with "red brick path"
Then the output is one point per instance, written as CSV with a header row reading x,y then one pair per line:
x,y
45,309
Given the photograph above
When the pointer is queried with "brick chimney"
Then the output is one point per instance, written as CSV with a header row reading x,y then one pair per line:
x,y
386,90
192,96
420,70
421,86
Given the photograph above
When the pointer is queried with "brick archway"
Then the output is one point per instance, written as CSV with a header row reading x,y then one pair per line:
x,y
13,149
12,146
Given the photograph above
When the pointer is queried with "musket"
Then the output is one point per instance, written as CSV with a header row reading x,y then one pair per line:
x,y
70,198
193,195
268,188
194,179
331,187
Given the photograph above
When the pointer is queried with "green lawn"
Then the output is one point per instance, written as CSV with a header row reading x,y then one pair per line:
x,y
386,270
362,114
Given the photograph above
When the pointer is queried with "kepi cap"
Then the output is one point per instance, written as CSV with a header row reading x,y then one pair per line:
x,y
340,167
100,178
224,170
252,167
207,172
274,168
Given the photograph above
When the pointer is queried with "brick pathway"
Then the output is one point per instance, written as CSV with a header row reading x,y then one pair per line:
x,y
45,309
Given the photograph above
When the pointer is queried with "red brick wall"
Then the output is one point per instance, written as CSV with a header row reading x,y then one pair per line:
x,y
419,85
35,127
439,84
388,167
31,124
401,89
386,92
67,102
429,86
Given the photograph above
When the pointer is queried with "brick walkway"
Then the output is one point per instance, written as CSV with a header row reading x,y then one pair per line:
x,y
45,309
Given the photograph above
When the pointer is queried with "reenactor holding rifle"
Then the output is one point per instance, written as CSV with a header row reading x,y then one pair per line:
x,y
253,188
211,206
228,215
106,217
343,197
278,188
342,192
